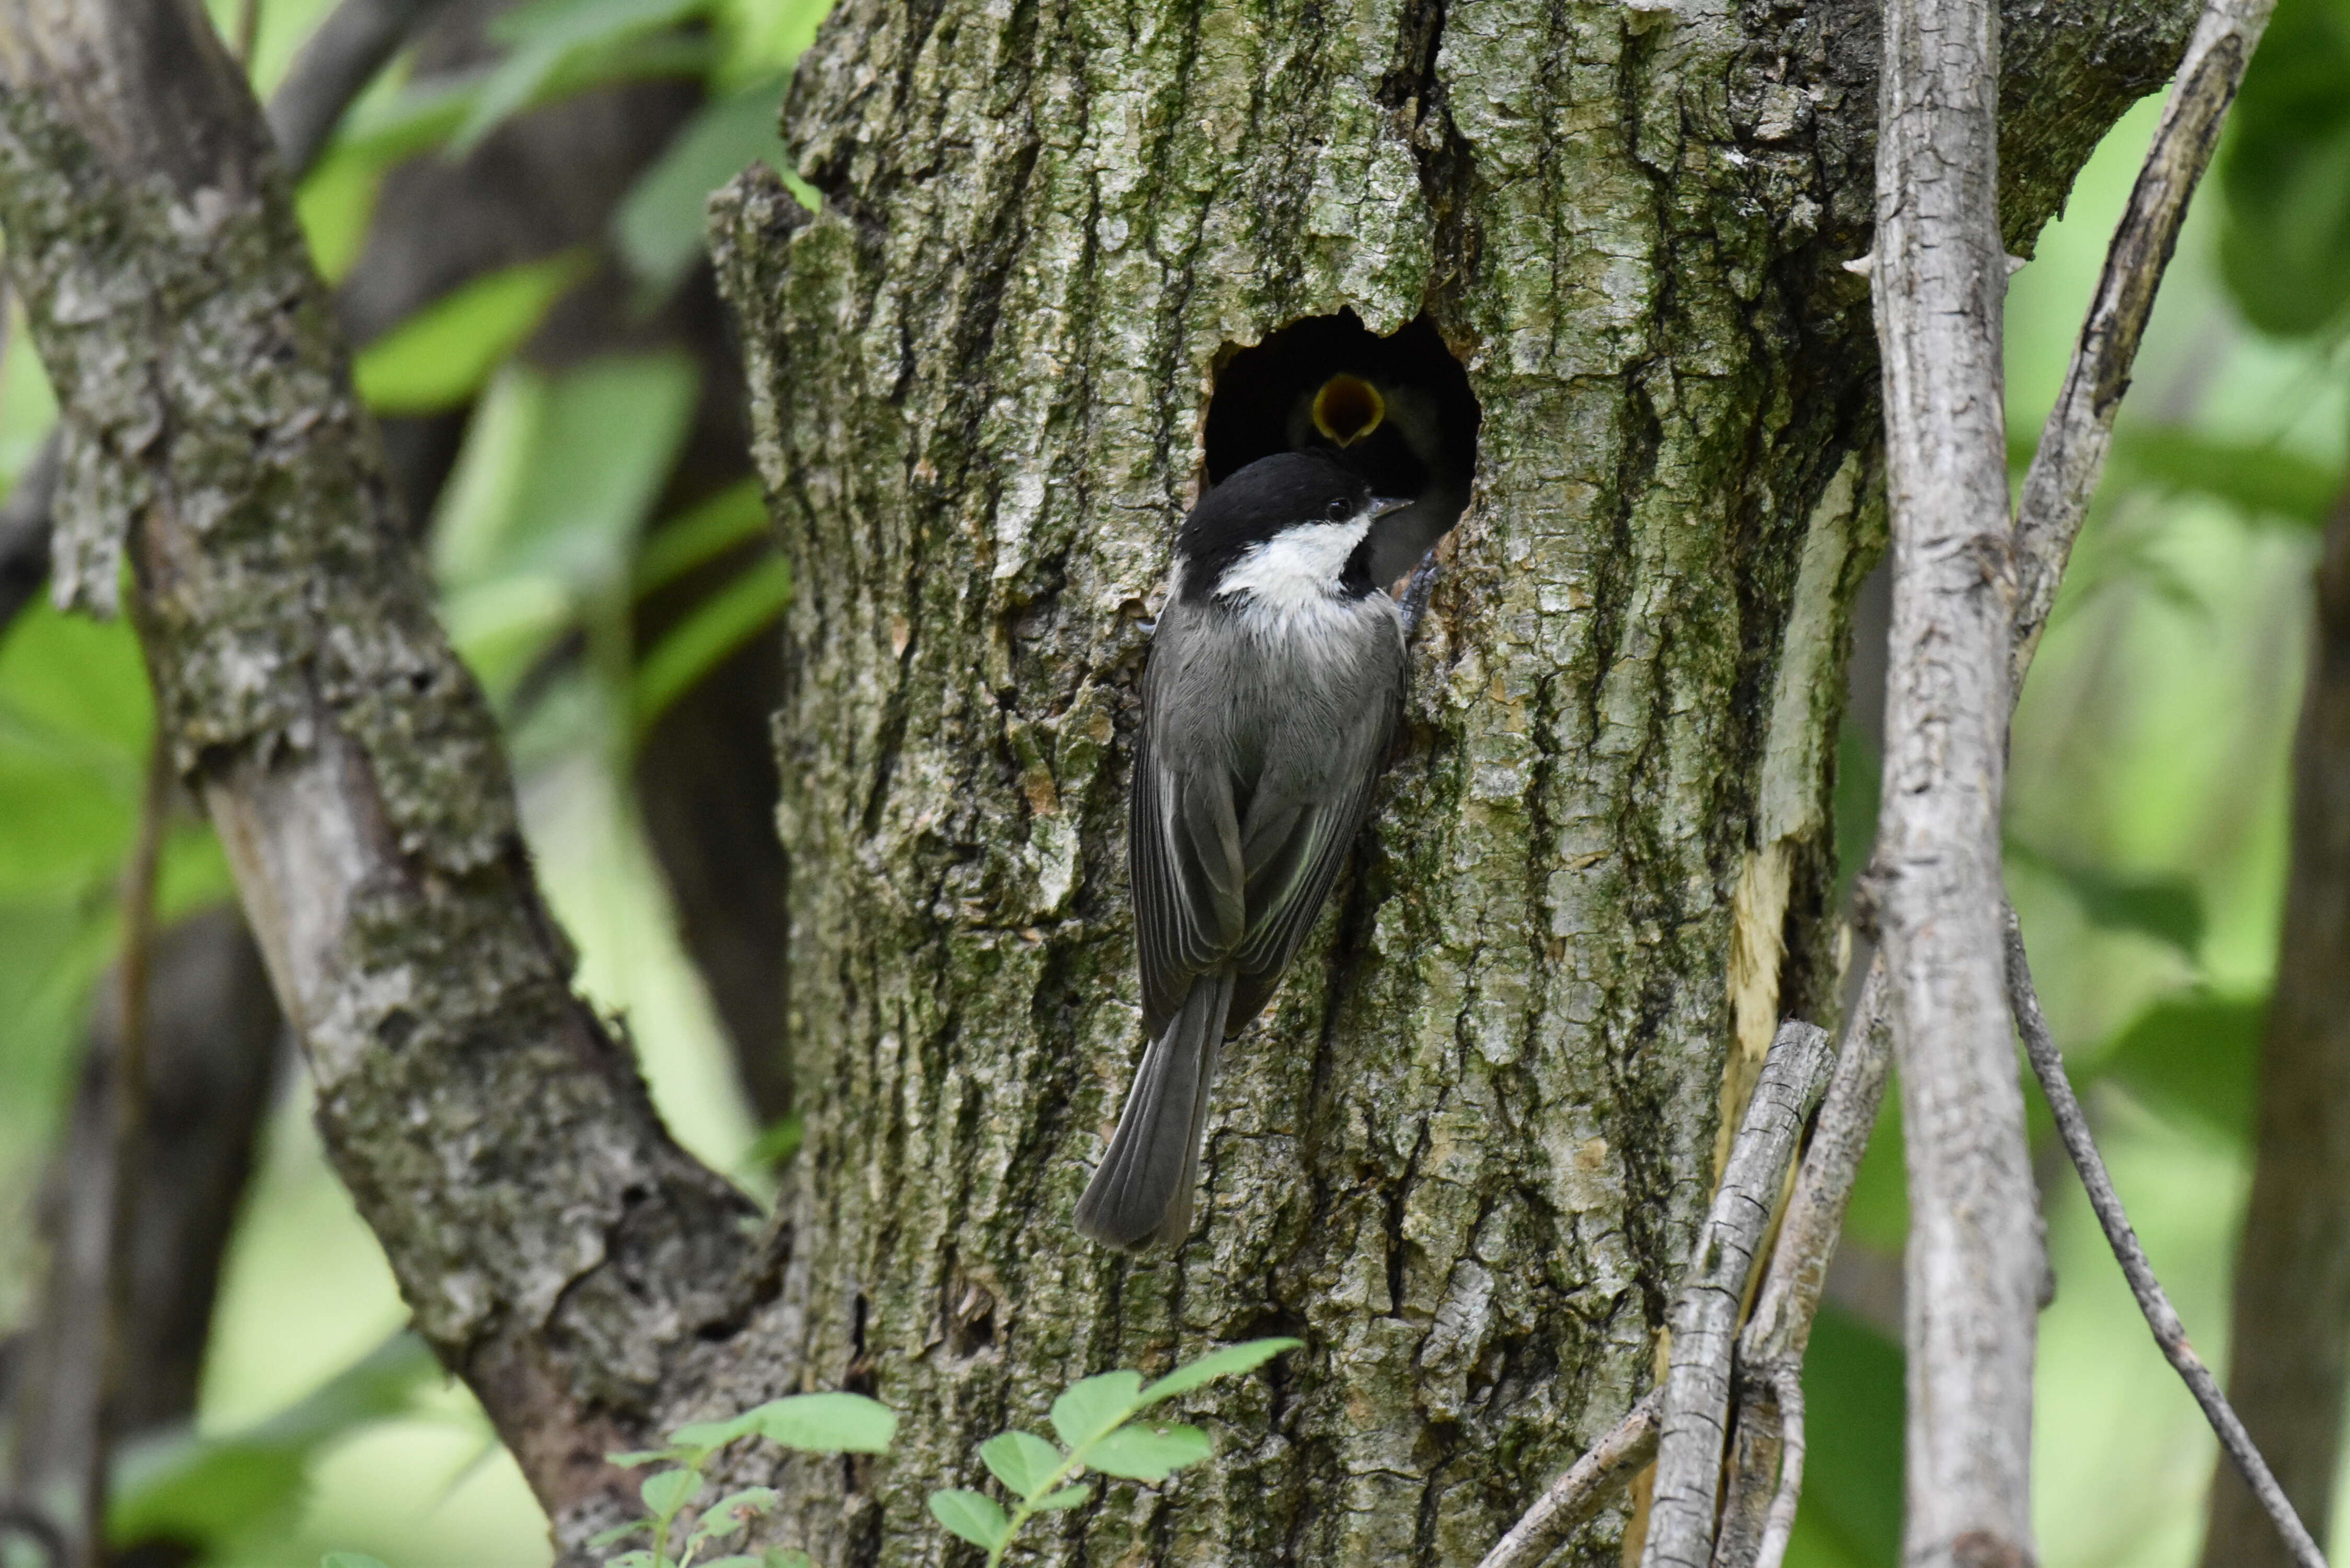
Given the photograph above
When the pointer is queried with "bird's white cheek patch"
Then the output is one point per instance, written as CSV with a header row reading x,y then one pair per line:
x,y
1297,567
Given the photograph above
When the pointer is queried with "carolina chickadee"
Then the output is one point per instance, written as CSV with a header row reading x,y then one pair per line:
x,y
1394,435
1274,685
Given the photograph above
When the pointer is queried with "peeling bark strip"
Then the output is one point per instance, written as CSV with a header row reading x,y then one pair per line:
x,y
556,1248
1974,1256
1696,1417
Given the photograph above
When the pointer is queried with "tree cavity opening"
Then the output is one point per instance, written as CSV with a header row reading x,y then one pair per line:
x,y
1398,408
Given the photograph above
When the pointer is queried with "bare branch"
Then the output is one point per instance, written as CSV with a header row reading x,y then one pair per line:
x,y
1974,1255
342,58
1704,1317
556,1248
2079,432
2048,1064
355,41
1579,1493
1778,1333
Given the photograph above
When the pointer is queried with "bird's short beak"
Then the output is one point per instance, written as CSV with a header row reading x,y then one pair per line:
x,y
1383,505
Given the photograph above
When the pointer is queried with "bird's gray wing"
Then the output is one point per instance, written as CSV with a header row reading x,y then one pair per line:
x,y
1295,852
1183,857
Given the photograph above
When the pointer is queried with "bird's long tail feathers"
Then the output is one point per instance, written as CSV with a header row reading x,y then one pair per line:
x,y
1141,1194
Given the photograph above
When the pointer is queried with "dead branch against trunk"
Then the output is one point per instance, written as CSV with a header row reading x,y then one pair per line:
x,y
1777,1335
556,1248
2048,1066
1694,1424
1582,1489
1974,1255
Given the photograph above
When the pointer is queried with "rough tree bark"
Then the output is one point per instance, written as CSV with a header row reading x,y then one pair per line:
x,y
1466,1155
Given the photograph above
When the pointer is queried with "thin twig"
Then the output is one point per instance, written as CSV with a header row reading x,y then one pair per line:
x,y
2073,442
1704,1316
2048,1064
1787,1379
1576,1496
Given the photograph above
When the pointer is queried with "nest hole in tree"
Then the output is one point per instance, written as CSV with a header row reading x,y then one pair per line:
x,y
1397,409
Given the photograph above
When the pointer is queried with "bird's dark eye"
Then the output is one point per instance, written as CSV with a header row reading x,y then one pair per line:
x,y
1340,509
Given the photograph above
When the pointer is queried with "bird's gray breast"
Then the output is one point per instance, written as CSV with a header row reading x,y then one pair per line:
x,y
1292,704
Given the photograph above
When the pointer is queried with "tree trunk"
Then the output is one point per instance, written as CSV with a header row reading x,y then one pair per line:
x,y
1464,1154
2287,1359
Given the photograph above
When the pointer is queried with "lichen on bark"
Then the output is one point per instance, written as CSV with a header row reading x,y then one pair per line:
x,y
1464,1153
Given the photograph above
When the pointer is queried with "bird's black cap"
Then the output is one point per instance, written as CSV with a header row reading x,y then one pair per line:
x,y
1260,501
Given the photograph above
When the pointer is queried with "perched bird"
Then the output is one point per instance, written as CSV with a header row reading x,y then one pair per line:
x,y
1274,689
1394,434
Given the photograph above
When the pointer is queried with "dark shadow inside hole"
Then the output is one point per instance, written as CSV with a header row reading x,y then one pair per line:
x,y
1398,408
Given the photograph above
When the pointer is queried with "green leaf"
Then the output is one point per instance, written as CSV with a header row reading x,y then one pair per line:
x,y
1086,1410
1852,1423
705,1436
1146,1453
2286,173
659,227
777,1144
415,117
637,1559
334,205
439,358
666,1491
603,1537
2258,479
1231,1361
826,1423
349,1559
636,1456
1023,1461
972,1515
1061,1497
206,1489
559,474
2166,907
545,35
2194,1059
731,1512
703,639
733,517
